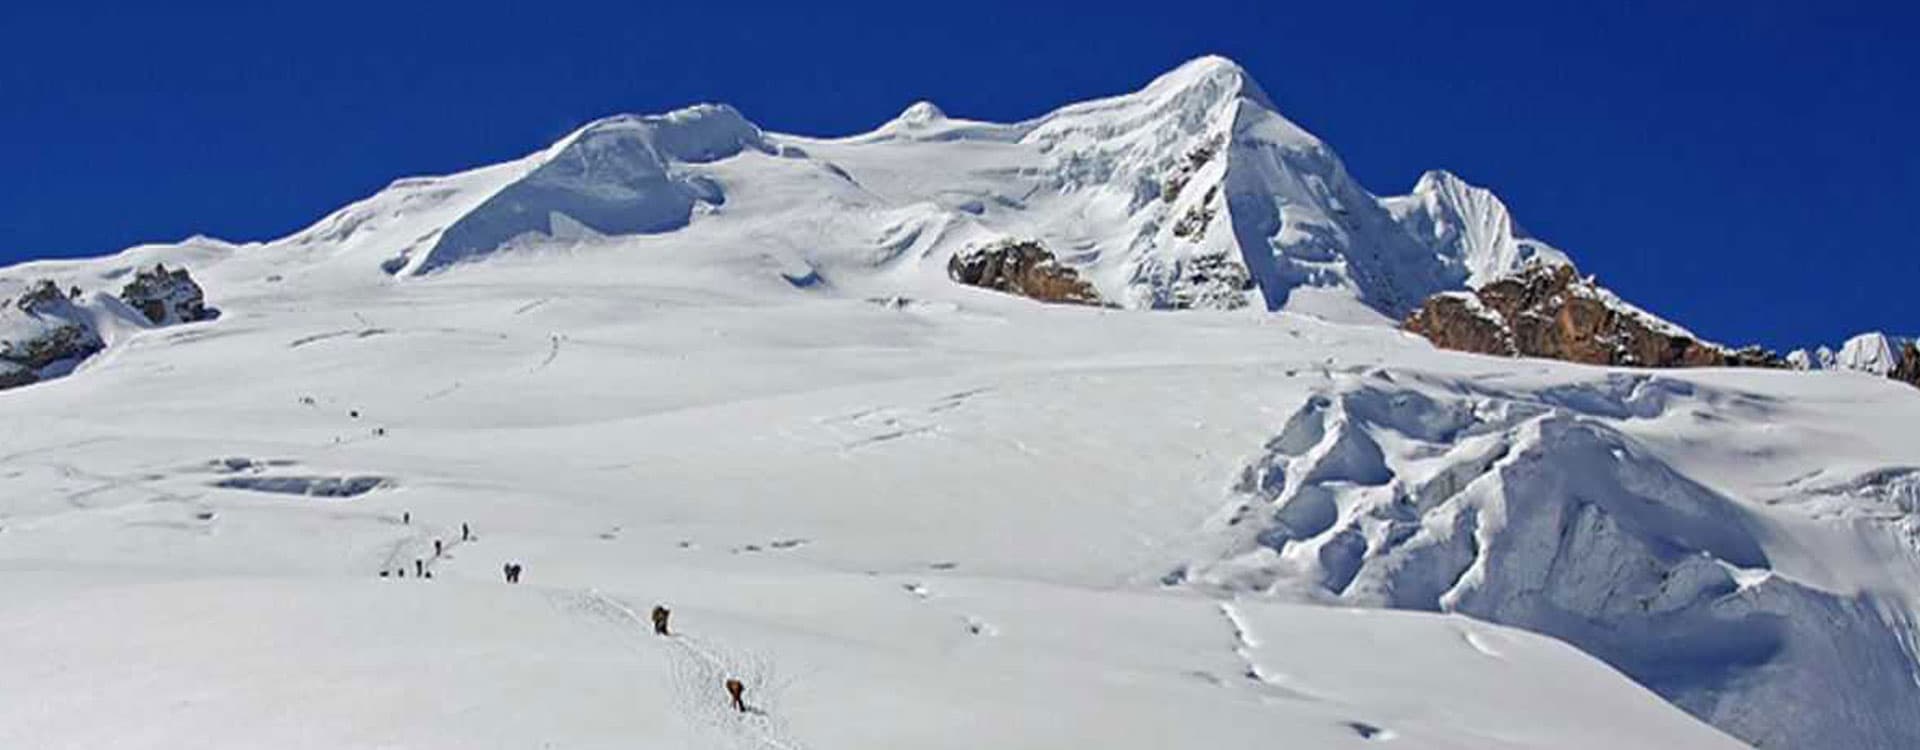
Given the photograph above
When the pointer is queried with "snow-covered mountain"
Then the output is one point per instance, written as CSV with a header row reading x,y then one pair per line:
x,y
681,358
1192,192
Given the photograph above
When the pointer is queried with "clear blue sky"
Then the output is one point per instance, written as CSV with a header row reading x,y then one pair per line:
x,y
1745,168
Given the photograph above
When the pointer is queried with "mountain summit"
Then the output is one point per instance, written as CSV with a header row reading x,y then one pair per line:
x,y
1191,192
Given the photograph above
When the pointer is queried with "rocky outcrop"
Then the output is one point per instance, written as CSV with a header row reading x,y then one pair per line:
x,y
1195,158
45,333
42,332
1022,267
1908,371
1210,282
1549,310
167,297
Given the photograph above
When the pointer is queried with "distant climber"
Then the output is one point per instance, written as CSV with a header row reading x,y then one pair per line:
x,y
512,571
466,533
660,615
437,548
406,517
354,413
419,567
400,572
736,689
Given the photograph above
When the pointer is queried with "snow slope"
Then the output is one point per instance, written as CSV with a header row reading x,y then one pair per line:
x,y
922,525
681,359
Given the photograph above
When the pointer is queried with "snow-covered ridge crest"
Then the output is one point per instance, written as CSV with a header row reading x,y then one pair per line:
x,y
1470,225
1191,191
616,176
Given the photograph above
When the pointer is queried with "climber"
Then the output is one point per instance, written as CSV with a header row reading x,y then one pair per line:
x,y
736,689
419,567
660,615
437,549
466,533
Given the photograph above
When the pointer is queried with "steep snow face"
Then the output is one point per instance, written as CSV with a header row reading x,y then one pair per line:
x,y
1818,358
1876,353
1469,226
1224,196
619,176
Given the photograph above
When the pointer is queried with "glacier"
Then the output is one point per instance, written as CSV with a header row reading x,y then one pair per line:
x,y
681,358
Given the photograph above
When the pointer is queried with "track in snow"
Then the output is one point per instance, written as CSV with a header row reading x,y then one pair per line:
x,y
700,671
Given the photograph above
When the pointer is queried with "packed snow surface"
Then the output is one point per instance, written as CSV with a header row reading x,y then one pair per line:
x,y
677,359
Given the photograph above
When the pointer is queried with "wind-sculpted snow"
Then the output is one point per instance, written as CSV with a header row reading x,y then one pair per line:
x,y
619,176
1535,512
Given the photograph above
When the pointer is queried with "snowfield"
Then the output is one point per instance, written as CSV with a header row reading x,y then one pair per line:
x,y
677,359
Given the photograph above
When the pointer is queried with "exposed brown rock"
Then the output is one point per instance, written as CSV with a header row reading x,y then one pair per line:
x,y
1908,371
1022,267
1549,310
1460,321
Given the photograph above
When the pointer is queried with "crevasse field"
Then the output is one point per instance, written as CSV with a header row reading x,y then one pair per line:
x,y
680,360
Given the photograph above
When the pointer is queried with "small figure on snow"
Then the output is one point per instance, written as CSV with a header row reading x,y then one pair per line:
x,y
419,567
437,548
736,689
512,570
660,615
406,517
466,533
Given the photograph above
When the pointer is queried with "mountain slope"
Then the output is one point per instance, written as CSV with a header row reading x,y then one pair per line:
x,y
682,359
